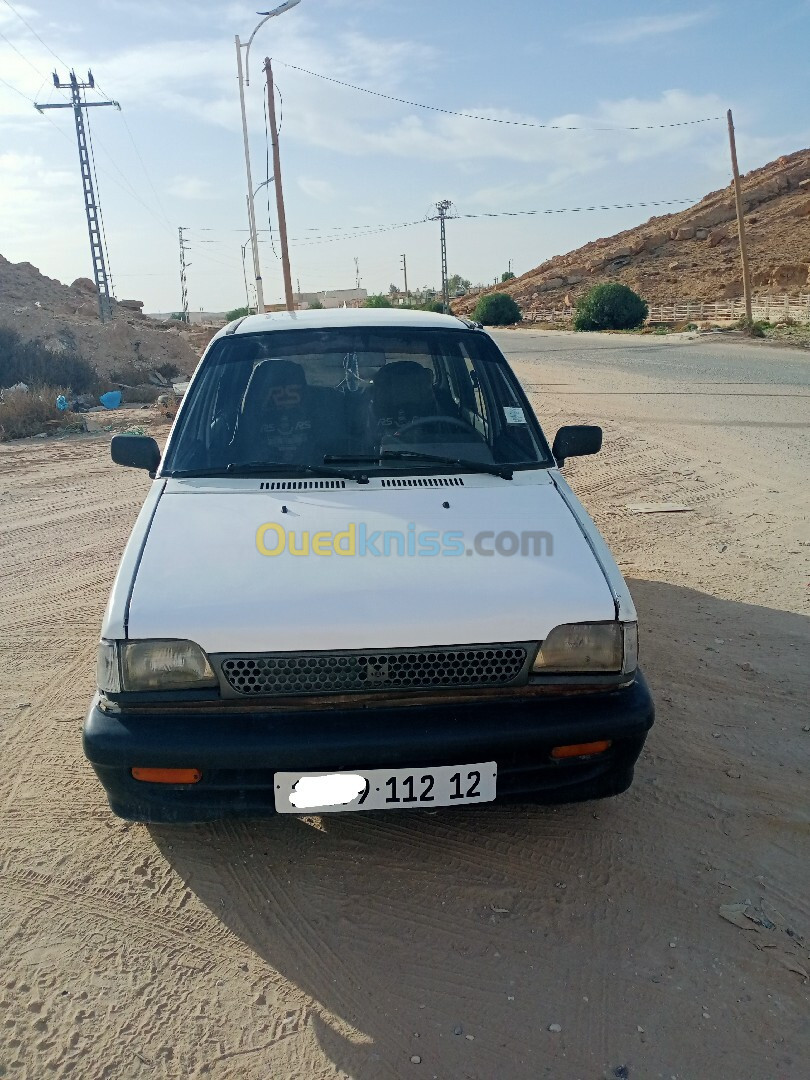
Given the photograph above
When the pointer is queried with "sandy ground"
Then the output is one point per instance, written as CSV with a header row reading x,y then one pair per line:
x,y
352,945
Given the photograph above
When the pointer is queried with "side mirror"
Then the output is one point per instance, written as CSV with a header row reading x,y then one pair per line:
x,y
576,441
136,451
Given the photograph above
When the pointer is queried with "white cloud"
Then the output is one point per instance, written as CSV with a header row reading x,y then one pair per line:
x,y
8,18
191,187
636,27
321,190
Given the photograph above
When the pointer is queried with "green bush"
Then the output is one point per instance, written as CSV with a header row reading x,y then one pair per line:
x,y
497,309
238,313
610,307
316,305
31,363
508,276
377,301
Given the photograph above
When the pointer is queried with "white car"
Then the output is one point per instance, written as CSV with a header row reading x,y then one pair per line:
x,y
360,582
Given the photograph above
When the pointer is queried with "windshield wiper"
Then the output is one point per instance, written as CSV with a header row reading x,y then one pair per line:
x,y
261,468
472,466
504,471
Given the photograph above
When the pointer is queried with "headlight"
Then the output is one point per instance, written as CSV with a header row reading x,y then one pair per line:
x,y
153,665
581,648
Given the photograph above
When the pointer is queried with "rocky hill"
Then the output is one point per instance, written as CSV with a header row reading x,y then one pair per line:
x,y
65,318
694,254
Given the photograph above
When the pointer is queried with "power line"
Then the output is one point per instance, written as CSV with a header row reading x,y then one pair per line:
x,y
580,209
22,56
354,232
145,173
25,97
494,119
11,7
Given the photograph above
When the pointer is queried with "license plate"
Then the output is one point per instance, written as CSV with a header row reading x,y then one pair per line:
x,y
385,789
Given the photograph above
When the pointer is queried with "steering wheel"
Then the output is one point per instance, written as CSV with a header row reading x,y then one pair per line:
x,y
433,421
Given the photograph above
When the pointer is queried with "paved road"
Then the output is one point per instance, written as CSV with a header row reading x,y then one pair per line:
x,y
709,359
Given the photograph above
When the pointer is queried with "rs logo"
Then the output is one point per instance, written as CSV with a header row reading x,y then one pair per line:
x,y
377,671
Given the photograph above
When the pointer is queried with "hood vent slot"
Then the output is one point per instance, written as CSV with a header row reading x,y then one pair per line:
x,y
423,482
302,485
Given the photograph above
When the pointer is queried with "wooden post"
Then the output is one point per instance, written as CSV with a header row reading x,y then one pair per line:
x,y
282,217
740,223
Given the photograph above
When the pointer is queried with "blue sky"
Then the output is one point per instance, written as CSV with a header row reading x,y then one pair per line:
x,y
173,156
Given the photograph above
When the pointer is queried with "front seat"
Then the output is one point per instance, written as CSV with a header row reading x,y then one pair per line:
x,y
275,422
401,393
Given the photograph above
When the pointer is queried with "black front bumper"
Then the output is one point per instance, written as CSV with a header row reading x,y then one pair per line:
x,y
238,752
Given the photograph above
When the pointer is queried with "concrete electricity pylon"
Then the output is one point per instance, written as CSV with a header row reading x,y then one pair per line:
x,y
443,212
91,206
183,267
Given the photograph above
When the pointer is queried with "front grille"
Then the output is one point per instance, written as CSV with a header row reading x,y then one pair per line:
x,y
323,673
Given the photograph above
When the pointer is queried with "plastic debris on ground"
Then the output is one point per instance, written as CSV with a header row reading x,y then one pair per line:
x,y
111,400
658,508
768,929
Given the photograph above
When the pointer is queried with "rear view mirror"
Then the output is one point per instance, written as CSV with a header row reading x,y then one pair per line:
x,y
577,441
136,451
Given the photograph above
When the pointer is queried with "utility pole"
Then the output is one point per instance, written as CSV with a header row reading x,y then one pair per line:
x,y
282,217
740,221
254,239
183,267
91,207
443,207
244,273
405,272
357,273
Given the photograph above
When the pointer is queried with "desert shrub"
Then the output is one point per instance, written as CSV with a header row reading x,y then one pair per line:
x,y
377,301
436,306
24,413
167,370
497,309
610,307
143,394
31,363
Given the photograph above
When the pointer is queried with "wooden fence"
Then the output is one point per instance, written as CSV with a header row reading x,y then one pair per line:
x,y
770,308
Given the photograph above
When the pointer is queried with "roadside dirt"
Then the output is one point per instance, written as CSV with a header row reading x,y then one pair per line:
x,y
353,945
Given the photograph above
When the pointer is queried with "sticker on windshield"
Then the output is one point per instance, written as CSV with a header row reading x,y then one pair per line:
x,y
514,416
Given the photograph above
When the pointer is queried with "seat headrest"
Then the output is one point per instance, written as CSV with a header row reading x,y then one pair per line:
x,y
403,387
279,383
272,373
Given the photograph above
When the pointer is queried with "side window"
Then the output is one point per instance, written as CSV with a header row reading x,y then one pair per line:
x,y
514,439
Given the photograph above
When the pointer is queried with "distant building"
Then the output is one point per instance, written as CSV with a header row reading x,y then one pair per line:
x,y
331,298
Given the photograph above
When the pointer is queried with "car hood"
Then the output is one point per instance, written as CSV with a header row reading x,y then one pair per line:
x,y
202,577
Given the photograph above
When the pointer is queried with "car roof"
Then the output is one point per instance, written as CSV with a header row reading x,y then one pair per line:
x,y
338,318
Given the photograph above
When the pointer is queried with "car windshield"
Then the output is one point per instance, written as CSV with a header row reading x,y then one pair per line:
x,y
383,399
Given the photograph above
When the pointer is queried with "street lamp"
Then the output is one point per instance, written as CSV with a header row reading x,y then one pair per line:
x,y
244,79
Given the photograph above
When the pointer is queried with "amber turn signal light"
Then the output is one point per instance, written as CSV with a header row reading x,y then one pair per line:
x,y
168,776
581,749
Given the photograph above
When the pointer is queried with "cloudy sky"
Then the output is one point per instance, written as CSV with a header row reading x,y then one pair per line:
x,y
355,164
